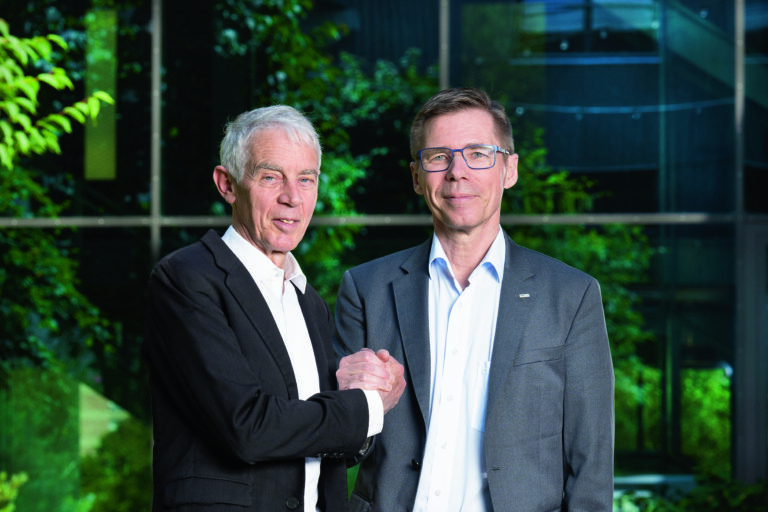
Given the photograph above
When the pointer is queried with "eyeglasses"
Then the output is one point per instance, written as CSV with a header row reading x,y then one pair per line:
x,y
477,156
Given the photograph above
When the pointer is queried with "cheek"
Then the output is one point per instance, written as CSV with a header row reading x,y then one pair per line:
x,y
310,200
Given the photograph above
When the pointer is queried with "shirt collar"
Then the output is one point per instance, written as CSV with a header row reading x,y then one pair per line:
x,y
261,268
493,259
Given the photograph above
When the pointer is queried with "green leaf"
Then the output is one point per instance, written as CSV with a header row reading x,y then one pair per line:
x,y
83,107
57,79
53,142
6,156
17,49
103,96
94,105
59,120
25,121
75,114
37,142
42,46
27,105
58,40
22,141
5,127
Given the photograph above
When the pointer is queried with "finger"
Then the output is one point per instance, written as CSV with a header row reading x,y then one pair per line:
x,y
383,355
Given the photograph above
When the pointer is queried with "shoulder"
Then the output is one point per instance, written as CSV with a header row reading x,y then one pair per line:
x,y
541,265
209,255
394,264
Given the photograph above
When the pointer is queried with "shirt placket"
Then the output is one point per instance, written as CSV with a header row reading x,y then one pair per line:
x,y
450,423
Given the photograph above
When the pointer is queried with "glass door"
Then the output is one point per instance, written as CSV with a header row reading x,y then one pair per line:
x,y
751,378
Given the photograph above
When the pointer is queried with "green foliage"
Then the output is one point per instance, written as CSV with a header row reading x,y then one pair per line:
x,y
43,317
705,409
638,404
39,437
9,489
712,494
338,96
24,131
118,476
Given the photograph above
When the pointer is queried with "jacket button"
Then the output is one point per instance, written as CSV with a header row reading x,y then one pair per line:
x,y
293,503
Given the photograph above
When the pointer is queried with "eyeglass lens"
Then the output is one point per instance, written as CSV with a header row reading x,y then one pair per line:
x,y
476,157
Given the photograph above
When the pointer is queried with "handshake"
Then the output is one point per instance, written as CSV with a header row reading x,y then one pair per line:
x,y
371,370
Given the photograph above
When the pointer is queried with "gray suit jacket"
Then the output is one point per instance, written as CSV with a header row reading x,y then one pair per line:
x,y
549,424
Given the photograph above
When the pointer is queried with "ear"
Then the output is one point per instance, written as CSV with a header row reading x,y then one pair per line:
x,y
511,171
415,176
225,183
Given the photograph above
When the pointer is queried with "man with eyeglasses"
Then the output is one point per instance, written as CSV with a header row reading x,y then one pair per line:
x,y
509,402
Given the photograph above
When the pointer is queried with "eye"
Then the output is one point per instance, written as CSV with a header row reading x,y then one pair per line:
x,y
270,178
478,153
307,180
438,156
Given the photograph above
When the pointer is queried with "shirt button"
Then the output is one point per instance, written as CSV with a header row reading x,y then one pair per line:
x,y
292,503
437,492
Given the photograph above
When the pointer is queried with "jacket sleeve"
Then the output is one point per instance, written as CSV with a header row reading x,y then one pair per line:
x,y
588,415
222,380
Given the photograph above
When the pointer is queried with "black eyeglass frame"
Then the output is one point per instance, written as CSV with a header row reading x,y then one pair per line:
x,y
496,149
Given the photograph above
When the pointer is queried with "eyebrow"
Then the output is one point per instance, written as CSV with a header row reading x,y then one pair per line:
x,y
272,167
268,166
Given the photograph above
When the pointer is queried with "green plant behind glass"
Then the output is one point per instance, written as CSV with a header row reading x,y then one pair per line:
x,y
48,327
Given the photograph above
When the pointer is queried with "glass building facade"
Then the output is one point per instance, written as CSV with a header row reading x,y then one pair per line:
x,y
661,104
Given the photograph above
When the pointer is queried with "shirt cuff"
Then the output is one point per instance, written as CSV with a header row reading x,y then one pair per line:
x,y
375,412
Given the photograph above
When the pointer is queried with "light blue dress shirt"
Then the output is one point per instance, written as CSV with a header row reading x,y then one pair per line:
x,y
462,324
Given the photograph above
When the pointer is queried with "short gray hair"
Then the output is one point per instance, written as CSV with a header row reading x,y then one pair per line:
x,y
235,150
456,100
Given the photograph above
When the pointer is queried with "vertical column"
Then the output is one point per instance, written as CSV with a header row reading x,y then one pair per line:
x,y
445,36
155,168
101,75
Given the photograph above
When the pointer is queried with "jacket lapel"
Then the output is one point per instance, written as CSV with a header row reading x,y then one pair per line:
x,y
316,330
517,298
411,305
244,290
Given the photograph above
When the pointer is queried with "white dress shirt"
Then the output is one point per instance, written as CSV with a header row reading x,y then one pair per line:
x,y
462,324
284,306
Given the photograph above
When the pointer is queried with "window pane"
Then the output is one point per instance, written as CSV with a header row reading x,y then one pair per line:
x,y
651,114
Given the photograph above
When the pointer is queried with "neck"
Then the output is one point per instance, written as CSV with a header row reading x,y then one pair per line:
x,y
465,251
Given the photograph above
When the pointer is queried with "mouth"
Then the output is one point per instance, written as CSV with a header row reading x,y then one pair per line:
x,y
458,197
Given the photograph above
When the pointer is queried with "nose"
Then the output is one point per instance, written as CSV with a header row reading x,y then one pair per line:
x,y
290,195
458,168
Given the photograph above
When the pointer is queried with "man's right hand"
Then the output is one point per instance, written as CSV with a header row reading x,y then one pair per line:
x,y
368,370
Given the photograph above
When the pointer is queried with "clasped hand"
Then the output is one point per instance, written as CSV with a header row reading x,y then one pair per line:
x,y
371,370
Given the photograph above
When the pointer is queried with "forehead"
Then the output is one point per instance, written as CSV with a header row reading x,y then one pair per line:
x,y
457,129
278,148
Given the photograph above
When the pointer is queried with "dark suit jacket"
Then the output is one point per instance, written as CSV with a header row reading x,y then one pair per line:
x,y
229,431
549,424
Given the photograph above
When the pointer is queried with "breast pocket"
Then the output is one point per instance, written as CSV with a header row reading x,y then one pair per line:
x,y
540,355
207,491
541,375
